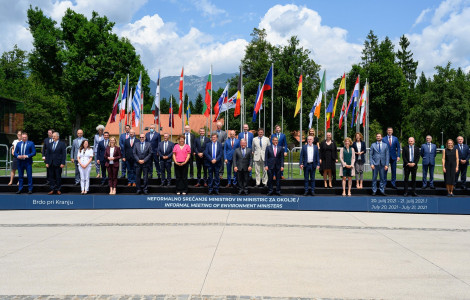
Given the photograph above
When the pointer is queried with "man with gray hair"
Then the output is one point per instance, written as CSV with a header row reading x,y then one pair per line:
x,y
73,155
428,153
221,138
55,161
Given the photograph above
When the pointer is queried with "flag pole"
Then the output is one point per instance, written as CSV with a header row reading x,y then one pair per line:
x,y
272,100
130,111
210,121
182,110
171,127
282,114
324,97
119,108
345,110
159,109
357,120
301,96
242,104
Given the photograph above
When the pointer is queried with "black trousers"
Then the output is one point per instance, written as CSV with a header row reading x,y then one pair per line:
x,y
181,175
191,167
139,169
200,167
243,179
55,178
271,181
103,171
165,166
412,171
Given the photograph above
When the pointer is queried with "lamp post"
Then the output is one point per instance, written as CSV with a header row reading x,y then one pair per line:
x,y
442,138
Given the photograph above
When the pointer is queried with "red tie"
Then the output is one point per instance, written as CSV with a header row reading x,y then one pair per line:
x,y
390,140
275,150
232,143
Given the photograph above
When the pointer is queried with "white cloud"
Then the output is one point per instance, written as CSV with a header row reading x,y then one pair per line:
x,y
421,17
445,39
160,46
328,44
207,8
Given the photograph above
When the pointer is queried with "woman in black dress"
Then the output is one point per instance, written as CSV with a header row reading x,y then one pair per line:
x,y
311,132
328,158
450,166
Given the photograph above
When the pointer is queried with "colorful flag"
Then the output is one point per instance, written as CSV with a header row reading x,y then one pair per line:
x,y
117,99
207,100
229,103
268,84
218,105
171,118
353,103
188,114
238,100
319,98
124,97
156,102
364,105
257,97
341,91
360,104
343,113
299,97
315,108
180,89
329,111
136,102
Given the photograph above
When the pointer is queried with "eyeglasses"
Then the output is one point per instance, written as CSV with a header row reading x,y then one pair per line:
x,y
142,137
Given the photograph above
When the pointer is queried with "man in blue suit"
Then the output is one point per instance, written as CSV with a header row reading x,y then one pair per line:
x,y
247,135
309,162
100,156
394,151
428,153
274,164
379,160
122,142
154,139
55,161
230,145
24,152
281,137
213,155
199,148
165,151
464,156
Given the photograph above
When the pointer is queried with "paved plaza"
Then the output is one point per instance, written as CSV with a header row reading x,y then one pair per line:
x,y
233,254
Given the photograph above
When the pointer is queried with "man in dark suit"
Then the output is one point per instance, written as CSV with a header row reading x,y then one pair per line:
x,y
410,165
213,159
229,148
199,147
154,139
73,154
379,160
428,153
274,164
129,157
142,156
221,137
282,142
242,165
394,152
100,156
46,144
309,162
55,161
24,152
165,152
122,143
189,140
464,156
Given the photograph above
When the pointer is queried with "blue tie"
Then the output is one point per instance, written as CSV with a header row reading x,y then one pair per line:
x,y
23,148
243,153
213,150
260,144
411,153
379,147
53,147
142,147
187,139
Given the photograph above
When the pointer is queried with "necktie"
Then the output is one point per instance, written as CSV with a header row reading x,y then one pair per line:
x,y
275,150
260,144
127,136
142,147
23,149
187,139
164,148
202,140
243,152
411,154
246,138
105,143
429,147
79,141
151,136
232,143
461,147
379,147
390,140
53,147
213,150
278,136
50,140
132,142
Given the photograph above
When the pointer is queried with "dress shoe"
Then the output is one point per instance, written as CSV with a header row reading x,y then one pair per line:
x,y
59,193
50,193
312,193
216,192
228,185
138,192
405,195
374,193
30,192
305,193
282,177
77,184
205,184
197,185
433,187
146,193
246,193
278,193
133,184
394,187
129,184
414,195
209,193
424,187
163,184
383,194
270,193
18,192
123,176
240,192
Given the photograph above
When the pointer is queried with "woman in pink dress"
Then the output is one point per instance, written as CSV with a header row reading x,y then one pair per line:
x,y
181,154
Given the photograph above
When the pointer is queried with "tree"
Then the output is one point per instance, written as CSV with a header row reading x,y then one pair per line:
x,y
83,61
406,62
369,53
198,105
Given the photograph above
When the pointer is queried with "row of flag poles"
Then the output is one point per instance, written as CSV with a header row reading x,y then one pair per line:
x,y
130,110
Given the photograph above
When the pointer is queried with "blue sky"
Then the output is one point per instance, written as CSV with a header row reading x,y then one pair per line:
x,y
198,33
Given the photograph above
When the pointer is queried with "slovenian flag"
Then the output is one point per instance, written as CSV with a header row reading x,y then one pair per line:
x,y
355,97
268,84
223,98
254,112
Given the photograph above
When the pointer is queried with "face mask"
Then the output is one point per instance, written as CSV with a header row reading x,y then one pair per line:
x,y
151,130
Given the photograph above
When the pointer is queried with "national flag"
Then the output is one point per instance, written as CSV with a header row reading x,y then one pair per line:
x,y
319,98
229,103
156,102
206,110
171,119
360,104
316,107
124,97
254,112
329,111
355,97
238,98
117,99
136,102
218,105
180,89
364,105
299,97
343,113
341,91
267,85
188,114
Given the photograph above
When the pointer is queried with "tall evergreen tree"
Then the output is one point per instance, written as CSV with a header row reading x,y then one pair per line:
x,y
406,61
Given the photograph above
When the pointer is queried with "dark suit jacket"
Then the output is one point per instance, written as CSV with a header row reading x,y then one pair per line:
x,y
406,155
200,147
143,155
169,149
429,157
363,149
101,150
117,155
208,154
45,145
271,161
154,142
304,156
191,142
128,150
282,141
242,163
56,157
464,153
